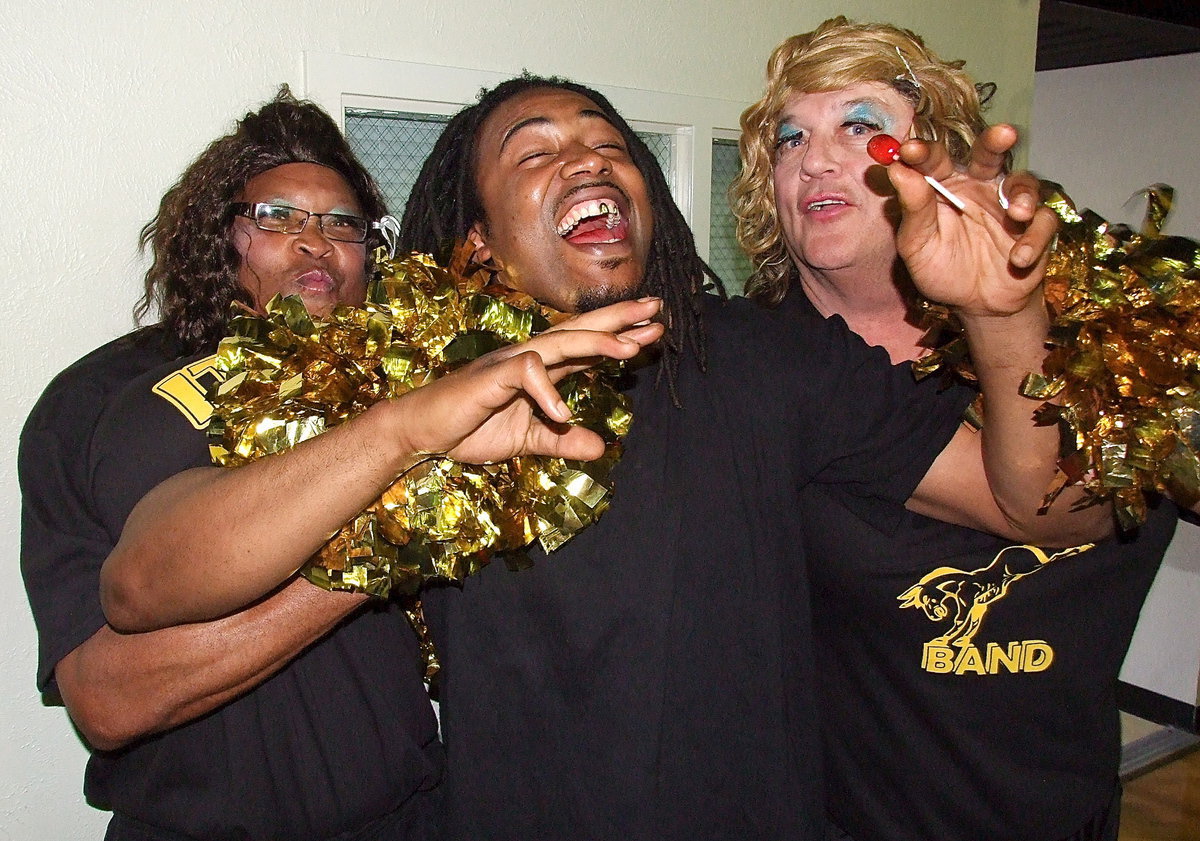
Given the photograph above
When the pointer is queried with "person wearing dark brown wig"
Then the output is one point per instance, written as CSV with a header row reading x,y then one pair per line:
x,y
236,727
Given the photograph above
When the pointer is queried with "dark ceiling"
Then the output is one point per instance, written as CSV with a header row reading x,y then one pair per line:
x,y
1080,32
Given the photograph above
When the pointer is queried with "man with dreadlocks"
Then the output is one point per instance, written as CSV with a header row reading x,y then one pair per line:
x,y
653,678
232,728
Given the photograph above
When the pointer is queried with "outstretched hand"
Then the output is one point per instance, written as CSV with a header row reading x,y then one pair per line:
x,y
505,403
985,260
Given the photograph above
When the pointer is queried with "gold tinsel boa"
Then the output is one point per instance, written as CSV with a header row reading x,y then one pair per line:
x,y
289,377
1124,365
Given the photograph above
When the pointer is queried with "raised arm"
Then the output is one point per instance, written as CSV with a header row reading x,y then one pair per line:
x,y
988,263
207,542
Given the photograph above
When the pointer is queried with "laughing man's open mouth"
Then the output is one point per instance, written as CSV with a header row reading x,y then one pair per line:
x,y
593,221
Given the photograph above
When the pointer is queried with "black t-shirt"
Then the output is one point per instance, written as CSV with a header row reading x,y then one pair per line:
x,y
653,678
341,736
967,685
993,720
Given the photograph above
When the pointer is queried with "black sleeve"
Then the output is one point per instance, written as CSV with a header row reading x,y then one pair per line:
x,y
63,543
86,457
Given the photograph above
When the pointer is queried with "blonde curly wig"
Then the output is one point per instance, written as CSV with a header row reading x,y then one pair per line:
x,y
839,54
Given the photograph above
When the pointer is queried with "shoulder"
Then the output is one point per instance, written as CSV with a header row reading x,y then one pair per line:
x,y
1153,536
173,392
61,425
161,414
776,373
77,395
790,325
739,316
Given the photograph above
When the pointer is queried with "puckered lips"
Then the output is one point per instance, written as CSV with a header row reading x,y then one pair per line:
x,y
316,280
594,216
824,205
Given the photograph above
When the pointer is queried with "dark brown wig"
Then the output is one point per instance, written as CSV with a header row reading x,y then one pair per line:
x,y
194,275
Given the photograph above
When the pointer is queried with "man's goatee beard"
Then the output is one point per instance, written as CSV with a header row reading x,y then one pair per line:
x,y
597,297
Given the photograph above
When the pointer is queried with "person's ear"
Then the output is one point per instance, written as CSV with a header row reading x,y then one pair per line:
x,y
482,251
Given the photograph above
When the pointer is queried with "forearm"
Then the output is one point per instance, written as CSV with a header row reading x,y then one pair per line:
x,y
995,480
1020,457
207,542
121,687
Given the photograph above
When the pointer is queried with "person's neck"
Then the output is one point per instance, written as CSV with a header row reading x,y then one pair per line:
x,y
875,305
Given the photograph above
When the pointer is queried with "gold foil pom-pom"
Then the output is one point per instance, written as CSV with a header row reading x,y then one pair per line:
x,y
1124,365
289,377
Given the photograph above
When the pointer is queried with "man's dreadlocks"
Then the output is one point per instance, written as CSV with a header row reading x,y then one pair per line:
x,y
445,203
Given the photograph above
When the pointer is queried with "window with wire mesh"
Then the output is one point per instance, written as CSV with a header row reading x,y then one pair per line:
x,y
724,255
393,145
663,149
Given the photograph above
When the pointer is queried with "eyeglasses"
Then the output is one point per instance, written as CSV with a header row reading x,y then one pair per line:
x,y
291,220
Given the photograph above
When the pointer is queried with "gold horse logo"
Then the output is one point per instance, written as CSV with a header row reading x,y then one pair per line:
x,y
964,597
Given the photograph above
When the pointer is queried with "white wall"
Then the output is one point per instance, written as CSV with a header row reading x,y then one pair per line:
x,y
104,102
1105,132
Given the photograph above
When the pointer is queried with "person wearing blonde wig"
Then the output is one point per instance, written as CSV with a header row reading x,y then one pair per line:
x,y
966,682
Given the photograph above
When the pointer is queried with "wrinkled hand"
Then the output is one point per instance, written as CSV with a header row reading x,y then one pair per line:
x,y
985,260
505,403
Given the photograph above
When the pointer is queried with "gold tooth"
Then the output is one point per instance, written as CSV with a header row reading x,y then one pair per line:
x,y
602,208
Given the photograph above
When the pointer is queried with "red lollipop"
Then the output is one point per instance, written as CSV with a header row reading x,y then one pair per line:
x,y
884,149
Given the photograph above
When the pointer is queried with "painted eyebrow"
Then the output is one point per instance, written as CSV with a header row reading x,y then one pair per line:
x,y
847,105
590,113
869,101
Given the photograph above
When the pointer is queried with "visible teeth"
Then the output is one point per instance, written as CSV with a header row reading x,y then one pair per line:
x,y
817,205
588,209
